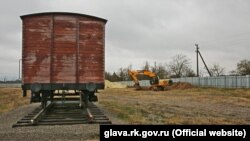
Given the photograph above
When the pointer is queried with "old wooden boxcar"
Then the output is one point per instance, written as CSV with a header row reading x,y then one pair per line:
x,y
62,51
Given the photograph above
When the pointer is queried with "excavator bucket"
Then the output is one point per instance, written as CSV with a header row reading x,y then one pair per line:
x,y
137,87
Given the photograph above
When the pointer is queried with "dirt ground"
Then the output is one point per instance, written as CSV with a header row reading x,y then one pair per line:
x,y
178,106
181,104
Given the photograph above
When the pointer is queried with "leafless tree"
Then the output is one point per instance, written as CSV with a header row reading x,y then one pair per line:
x,y
203,73
154,68
243,67
122,74
146,66
233,72
160,70
179,65
189,72
217,70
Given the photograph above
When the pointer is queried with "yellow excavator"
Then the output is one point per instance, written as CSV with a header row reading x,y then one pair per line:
x,y
155,82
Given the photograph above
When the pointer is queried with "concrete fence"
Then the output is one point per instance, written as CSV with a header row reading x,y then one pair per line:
x,y
219,82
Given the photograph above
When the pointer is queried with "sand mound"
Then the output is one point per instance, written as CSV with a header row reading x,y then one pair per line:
x,y
182,85
109,84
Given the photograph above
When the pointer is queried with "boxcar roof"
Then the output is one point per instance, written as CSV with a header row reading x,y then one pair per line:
x,y
63,13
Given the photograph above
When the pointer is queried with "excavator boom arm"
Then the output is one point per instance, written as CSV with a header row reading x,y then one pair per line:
x,y
133,75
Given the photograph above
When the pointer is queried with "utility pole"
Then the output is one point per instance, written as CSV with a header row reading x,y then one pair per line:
x,y
197,59
198,53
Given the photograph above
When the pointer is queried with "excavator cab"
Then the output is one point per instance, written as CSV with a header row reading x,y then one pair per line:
x,y
154,80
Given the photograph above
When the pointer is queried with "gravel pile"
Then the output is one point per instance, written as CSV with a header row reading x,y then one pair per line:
x,y
39,133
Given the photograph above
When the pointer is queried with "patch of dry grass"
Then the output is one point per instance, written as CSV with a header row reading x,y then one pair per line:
x,y
11,98
189,106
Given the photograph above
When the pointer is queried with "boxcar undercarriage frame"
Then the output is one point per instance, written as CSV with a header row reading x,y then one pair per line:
x,y
46,92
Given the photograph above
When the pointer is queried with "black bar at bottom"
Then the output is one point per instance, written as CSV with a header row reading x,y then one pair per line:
x,y
174,132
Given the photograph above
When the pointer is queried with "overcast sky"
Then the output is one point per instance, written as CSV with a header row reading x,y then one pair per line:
x,y
143,30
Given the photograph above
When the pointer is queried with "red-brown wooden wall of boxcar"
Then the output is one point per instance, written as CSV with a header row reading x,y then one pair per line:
x,y
63,48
